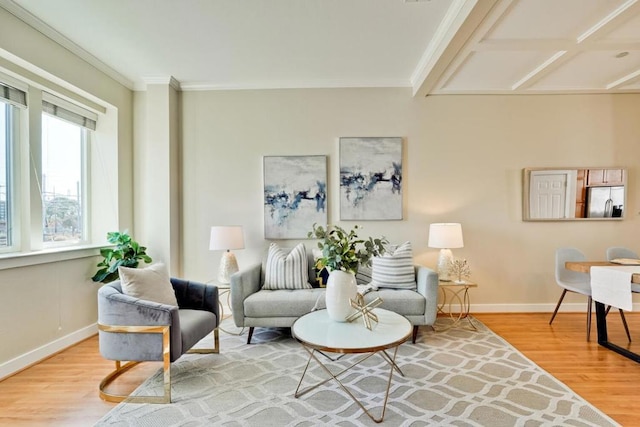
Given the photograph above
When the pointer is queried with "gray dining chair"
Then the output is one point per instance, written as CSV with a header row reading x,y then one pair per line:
x,y
620,252
580,283
616,252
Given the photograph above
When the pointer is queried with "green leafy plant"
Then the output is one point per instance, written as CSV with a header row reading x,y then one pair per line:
x,y
126,252
342,250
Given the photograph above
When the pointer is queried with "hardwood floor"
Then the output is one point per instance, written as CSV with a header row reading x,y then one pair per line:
x,y
62,390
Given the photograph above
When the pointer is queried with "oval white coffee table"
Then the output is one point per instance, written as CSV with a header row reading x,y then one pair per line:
x,y
317,333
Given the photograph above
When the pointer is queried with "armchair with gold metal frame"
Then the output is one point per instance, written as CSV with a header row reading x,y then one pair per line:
x,y
135,330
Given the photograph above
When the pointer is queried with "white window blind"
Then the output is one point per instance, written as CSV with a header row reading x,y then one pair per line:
x,y
69,112
13,95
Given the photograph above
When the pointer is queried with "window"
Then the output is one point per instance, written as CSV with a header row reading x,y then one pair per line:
x,y
11,100
66,129
63,184
54,185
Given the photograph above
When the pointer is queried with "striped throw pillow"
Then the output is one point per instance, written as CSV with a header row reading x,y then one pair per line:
x,y
286,271
394,270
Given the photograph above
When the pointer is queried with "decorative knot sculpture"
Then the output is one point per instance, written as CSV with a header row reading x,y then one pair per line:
x,y
364,311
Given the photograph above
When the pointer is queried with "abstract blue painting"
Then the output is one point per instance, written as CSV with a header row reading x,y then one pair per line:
x,y
371,178
295,195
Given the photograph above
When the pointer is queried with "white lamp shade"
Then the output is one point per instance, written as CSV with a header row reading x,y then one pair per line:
x,y
226,237
445,235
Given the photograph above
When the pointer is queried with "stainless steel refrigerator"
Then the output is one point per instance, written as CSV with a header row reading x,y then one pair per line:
x,y
605,202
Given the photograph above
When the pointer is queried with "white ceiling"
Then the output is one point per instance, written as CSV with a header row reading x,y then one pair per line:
x,y
433,46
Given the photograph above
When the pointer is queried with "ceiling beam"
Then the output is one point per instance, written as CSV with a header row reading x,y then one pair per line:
x,y
537,73
629,78
460,22
471,19
611,21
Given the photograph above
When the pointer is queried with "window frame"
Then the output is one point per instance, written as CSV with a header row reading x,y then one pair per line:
x,y
101,211
12,140
85,140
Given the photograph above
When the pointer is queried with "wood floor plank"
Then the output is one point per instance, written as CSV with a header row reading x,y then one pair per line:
x,y
62,390
602,377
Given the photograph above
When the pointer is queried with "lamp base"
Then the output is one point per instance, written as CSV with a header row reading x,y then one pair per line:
x,y
443,264
228,266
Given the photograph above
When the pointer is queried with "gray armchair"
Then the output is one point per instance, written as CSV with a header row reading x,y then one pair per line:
x,y
135,330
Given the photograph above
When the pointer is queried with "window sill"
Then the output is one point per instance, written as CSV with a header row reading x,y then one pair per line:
x,y
25,259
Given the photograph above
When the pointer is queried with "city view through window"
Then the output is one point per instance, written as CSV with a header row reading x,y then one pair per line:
x,y
61,186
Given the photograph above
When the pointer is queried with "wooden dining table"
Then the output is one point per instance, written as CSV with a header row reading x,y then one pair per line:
x,y
585,267
601,310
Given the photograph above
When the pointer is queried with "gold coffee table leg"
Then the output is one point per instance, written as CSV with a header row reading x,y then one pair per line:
x,y
392,366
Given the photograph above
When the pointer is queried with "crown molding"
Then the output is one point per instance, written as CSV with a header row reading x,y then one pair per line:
x,y
43,28
319,84
158,80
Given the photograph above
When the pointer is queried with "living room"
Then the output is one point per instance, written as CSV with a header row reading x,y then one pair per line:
x,y
188,159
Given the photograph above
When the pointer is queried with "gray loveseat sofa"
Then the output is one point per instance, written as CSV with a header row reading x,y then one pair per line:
x,y
253,306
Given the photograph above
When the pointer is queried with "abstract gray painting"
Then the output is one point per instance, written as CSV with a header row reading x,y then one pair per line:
x,y
370,178
295,195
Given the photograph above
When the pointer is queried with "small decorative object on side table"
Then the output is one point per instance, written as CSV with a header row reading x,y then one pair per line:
x,y
459,270
456,293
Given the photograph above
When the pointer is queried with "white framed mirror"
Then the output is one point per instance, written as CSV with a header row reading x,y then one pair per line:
x,y
570,194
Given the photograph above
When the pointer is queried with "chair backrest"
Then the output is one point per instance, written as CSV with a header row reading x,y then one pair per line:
x,y
567,276
620,252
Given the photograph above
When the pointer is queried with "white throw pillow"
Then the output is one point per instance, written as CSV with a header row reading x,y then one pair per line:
x,y
151,283
394,269
286,271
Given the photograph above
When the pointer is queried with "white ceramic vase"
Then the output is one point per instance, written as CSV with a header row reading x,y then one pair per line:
x,y
341,287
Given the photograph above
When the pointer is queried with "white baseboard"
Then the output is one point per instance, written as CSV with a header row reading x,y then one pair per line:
x,y
34,356
534,308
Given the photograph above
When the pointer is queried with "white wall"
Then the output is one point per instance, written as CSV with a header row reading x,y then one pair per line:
x,y
464,157
49,302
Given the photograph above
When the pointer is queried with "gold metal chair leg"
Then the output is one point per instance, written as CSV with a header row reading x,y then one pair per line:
x,y
166,363
216,345
121,369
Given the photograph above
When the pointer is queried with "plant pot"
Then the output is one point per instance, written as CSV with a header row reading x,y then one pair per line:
x,y
341,287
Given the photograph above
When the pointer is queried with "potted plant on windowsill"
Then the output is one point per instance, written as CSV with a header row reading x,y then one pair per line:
x,y
342,254
126,252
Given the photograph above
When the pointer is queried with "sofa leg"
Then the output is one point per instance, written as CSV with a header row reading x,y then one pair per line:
x,y
250,335
415,334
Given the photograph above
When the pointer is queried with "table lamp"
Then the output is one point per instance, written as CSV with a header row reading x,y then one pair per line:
x,y
226,238
445,236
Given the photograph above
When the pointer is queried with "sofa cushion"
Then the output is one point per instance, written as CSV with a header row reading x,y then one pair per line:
x,y
286,271
194,326
394,269
151,283
283,303
401,301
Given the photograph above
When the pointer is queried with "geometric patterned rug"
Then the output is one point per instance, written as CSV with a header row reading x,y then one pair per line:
x,y
455,377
